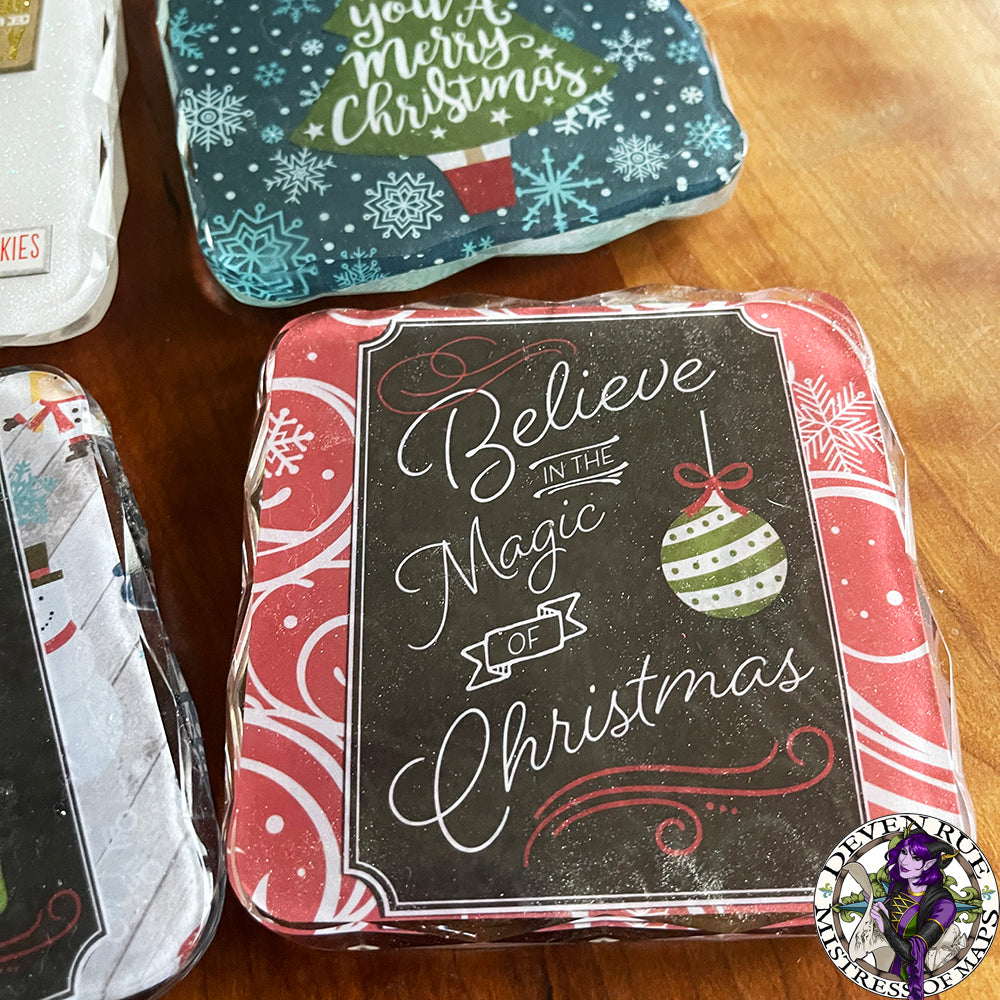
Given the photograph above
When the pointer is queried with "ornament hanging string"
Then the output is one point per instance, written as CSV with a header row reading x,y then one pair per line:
x,y
714,483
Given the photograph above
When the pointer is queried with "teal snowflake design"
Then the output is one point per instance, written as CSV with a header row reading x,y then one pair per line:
x,y
270,74
683,52
260,255
311,47
471,247
566,33
403,205
272,134
184,31
29,494
213,116
358,268
554,189
708,134
628,50
295,9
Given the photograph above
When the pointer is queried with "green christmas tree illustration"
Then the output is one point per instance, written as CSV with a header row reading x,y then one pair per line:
x,y
452,80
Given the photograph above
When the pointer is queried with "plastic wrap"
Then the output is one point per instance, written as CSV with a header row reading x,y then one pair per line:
x,y
586,620
61,160
110,860
373,147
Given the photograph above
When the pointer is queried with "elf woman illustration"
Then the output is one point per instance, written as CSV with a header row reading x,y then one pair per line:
x,y
911,930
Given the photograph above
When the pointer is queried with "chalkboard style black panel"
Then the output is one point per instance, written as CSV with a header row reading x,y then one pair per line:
x,y
593,659
49,914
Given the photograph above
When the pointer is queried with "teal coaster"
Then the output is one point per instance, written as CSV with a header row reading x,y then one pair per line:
x,y
378,146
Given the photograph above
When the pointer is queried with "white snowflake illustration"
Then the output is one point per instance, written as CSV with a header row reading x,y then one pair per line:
x,y
311,47
295,9
298,174
358,268
692,95
592,112
708,134
836,429
212,115
403,205
657,6
628,50
184,31
638,159
272,134
311,94
287,441
269,74
570,123
29,494
683,51
555,189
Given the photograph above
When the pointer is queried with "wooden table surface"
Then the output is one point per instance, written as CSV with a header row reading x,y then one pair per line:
x,y
873,174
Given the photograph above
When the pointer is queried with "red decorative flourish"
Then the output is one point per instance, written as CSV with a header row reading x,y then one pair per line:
x,y
659,769
713,484
447,364
621,792
679,852
674,852
68,922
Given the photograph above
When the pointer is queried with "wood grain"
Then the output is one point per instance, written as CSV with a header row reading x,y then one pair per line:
x,y
873,174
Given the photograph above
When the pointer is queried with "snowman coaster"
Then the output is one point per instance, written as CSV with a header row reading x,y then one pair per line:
x,y
109,855
574,620
62,67
334,147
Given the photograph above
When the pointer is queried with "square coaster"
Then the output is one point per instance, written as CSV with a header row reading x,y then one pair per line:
x,y
62,67
110,881
364,146
573,617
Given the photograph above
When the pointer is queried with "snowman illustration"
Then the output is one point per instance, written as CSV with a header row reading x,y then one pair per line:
x,y
56,404
53,617
88,711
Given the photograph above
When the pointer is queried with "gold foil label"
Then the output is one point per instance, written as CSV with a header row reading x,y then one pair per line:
x,y
18,33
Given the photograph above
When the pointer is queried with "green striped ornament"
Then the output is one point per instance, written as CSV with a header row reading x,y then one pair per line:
x,y
723,563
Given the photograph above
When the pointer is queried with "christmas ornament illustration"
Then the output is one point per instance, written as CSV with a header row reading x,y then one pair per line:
x,y
719,557
452,81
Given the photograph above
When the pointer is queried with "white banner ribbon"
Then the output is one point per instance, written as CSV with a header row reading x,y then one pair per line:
x,y
497,652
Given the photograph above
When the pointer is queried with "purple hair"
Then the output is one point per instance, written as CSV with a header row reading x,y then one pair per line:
x,y
920,845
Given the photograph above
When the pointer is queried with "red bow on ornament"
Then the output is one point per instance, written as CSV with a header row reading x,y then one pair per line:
x,y
714,484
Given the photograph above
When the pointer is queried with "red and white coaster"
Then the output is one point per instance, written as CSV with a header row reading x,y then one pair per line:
x,y
571,618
